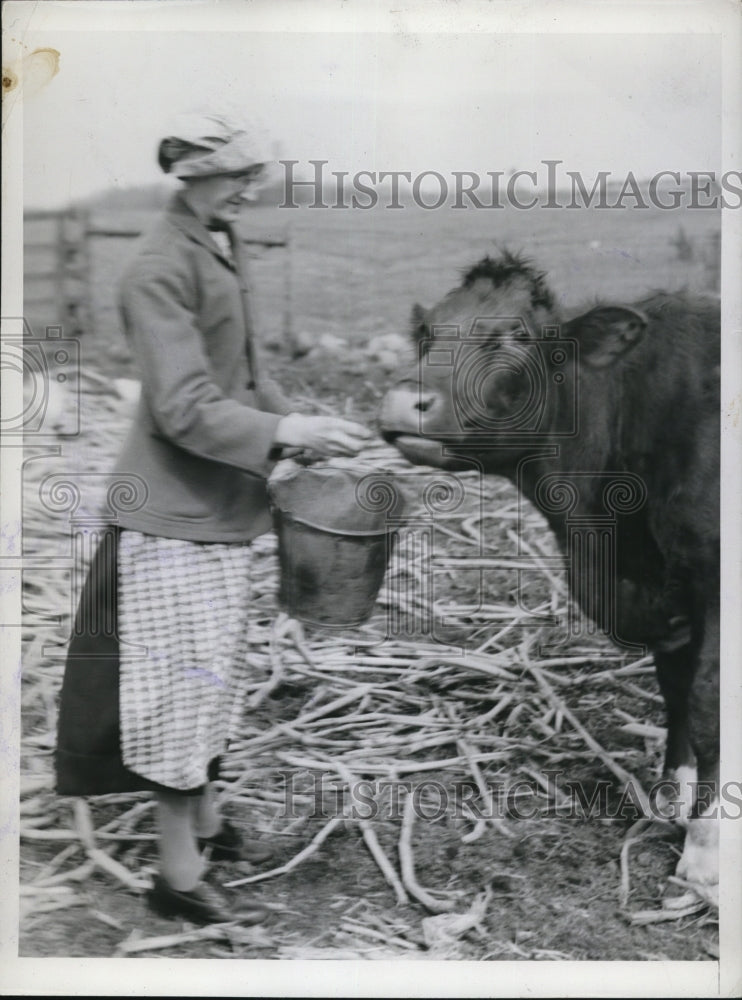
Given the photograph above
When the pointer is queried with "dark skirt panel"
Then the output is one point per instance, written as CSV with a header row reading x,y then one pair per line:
x,y
88,757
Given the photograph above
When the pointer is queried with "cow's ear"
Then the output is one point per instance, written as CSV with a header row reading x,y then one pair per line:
x,y
419,323
606,333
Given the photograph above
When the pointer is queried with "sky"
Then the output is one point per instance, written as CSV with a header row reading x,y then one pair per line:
x,y
368,100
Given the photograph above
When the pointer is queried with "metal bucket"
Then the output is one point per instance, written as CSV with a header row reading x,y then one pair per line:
x,y
336,531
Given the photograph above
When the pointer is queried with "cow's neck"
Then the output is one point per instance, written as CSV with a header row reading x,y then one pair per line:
x,y
568,482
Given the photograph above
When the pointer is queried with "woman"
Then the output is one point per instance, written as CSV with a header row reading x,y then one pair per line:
x,y
147,706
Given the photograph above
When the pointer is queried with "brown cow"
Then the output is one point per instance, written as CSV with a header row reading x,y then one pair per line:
x,y
614,412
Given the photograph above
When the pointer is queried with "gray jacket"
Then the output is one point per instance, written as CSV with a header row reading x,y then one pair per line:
x,y
203,435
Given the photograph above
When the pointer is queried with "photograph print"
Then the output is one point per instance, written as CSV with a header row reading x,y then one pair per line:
x,y
372,494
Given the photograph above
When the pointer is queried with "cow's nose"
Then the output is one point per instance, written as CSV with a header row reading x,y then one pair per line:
x,y
425,402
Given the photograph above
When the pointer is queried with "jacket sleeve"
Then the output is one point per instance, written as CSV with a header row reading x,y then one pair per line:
x,y
187,406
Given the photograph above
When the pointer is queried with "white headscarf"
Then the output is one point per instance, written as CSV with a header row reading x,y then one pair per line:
x,y
201,144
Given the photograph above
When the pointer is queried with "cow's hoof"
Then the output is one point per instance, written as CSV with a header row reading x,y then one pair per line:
x,y
699,863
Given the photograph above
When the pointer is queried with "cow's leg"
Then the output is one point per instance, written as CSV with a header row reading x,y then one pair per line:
x,y
700,859
675,677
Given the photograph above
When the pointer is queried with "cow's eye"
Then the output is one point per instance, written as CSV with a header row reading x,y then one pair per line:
x,y
504,336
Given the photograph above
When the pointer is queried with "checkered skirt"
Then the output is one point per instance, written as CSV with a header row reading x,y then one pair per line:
x,y
183,610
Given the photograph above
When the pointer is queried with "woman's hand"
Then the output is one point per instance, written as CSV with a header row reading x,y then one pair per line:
x,y
327,436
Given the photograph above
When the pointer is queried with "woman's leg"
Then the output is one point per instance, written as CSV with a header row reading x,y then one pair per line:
x,y
205,816
180,860
179,890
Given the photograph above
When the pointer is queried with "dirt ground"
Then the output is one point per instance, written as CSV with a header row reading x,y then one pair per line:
x,y
549,883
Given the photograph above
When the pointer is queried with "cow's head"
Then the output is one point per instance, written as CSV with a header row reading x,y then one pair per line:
x,y
497,371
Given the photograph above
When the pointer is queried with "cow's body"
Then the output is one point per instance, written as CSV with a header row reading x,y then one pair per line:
x,y
626,429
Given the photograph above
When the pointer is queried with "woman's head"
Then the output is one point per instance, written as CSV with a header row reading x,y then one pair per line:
x,y
218,160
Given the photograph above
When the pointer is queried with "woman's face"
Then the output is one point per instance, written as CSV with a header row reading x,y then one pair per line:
x,y
221,197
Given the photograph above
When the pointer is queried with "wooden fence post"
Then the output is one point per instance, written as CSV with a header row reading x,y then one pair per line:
x,y
61,293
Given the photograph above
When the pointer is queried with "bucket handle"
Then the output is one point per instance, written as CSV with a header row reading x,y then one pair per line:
x,y
332,531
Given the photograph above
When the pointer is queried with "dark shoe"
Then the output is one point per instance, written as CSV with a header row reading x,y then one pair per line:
x,y
230,845
203,904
